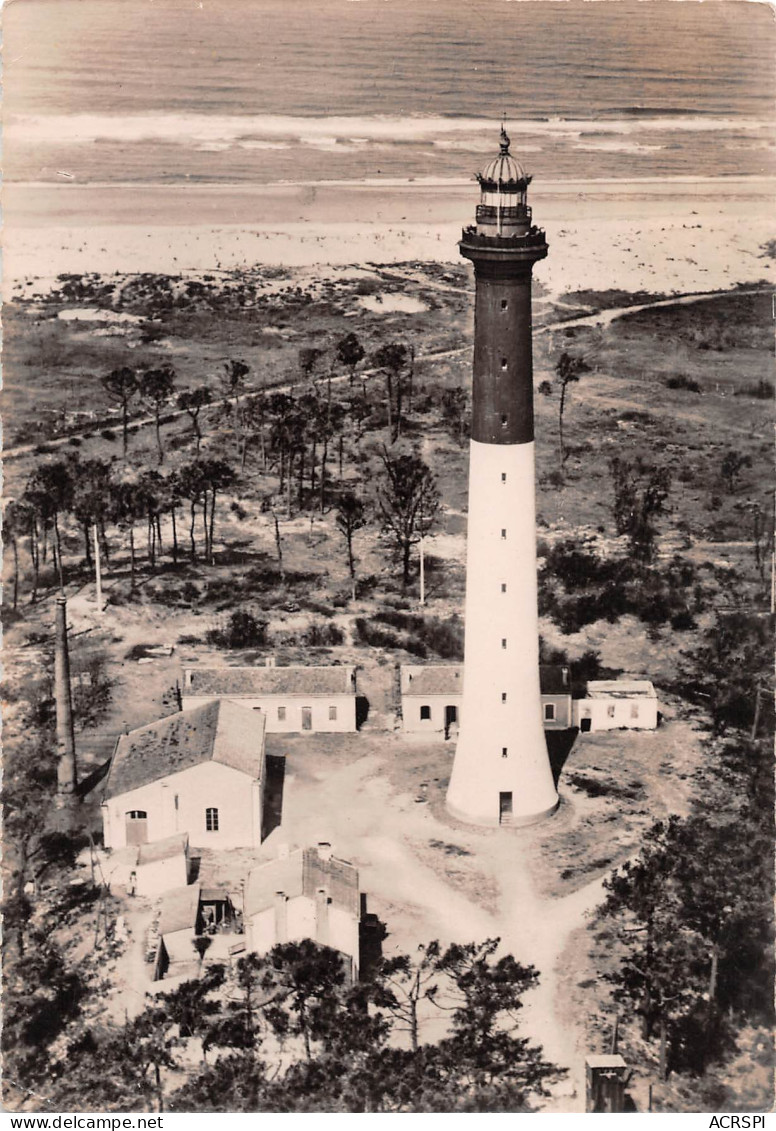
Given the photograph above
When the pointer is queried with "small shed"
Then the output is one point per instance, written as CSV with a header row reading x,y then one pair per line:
x,y
611,704
606,1078
290,699
179,925
162,865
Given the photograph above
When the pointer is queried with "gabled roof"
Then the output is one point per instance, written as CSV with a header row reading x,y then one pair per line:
x,y
219,731
620,689
447,679
180,908
334,680
302,873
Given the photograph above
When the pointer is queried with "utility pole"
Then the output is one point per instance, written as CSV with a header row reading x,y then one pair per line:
x,y
97,569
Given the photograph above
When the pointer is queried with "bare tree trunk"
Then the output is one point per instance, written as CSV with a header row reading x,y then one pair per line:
x,y
212,522
15,548
58,551
159,437
87,545
663,1063
174,536
193,513
131,557
279,546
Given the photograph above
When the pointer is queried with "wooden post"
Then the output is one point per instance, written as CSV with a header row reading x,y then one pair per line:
x,y
97,569
422,573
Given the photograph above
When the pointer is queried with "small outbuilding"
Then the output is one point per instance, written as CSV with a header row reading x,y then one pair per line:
x,y
431,697
611,704
162,865
199,772
179,925
308,894
290,699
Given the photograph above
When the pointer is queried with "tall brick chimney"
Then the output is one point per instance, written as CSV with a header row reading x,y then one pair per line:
x,y
67,776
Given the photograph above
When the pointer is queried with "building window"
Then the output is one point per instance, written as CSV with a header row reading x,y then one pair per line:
x,y
503,363
137,815
503,696
332,713
634,710
549,712
503,533
504,304
503,586
610,710
425,712
504,642
504,752
503,476
211,820
281,714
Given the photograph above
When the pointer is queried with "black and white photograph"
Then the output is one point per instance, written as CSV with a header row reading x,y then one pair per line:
x,y
388,581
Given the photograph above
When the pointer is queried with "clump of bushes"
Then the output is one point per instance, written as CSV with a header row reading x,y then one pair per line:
x,y
319,634
680,381
763,391
367,632
242,630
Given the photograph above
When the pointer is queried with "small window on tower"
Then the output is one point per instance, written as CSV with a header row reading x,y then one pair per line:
x,y
504,642
504,752
503,363
504,420
504,304
503,586
503,476
503,696
503,533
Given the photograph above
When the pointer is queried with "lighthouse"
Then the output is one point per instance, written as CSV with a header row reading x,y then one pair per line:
x,y
501,773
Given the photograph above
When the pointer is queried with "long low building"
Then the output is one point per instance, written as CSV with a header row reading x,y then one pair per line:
x,y
291,699
431,697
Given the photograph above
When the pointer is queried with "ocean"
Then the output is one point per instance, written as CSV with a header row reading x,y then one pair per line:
x,y
264,91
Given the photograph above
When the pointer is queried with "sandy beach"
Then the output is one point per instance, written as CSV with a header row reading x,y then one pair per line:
x,y
673,236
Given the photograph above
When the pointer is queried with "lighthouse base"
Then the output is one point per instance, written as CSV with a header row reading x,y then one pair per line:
x,y
516,821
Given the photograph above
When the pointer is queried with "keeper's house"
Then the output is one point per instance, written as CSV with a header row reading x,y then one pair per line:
x,y
292,699
431,697
200,771
308,894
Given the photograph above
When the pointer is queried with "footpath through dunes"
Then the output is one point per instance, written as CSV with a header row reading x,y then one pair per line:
x,y
601,318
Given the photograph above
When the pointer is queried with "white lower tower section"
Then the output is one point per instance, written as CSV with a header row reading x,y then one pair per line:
x,y
501,773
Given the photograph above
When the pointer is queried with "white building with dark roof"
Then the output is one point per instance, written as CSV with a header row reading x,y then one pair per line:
x,y
612,704
290,699
200,772
308,894
431,697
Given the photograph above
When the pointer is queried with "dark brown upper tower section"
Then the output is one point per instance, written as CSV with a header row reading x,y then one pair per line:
x,y
503,246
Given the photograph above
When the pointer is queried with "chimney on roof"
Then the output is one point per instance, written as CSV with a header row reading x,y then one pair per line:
x,y
281,917
322,917
324,850
67,777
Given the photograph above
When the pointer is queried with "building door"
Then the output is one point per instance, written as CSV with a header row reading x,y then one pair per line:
x,y
307,718
584,725
137,826
504,808
451,716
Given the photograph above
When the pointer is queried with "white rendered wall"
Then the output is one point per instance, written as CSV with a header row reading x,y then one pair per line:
x,y
345,721
502,647
237,797
162,875
615,714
